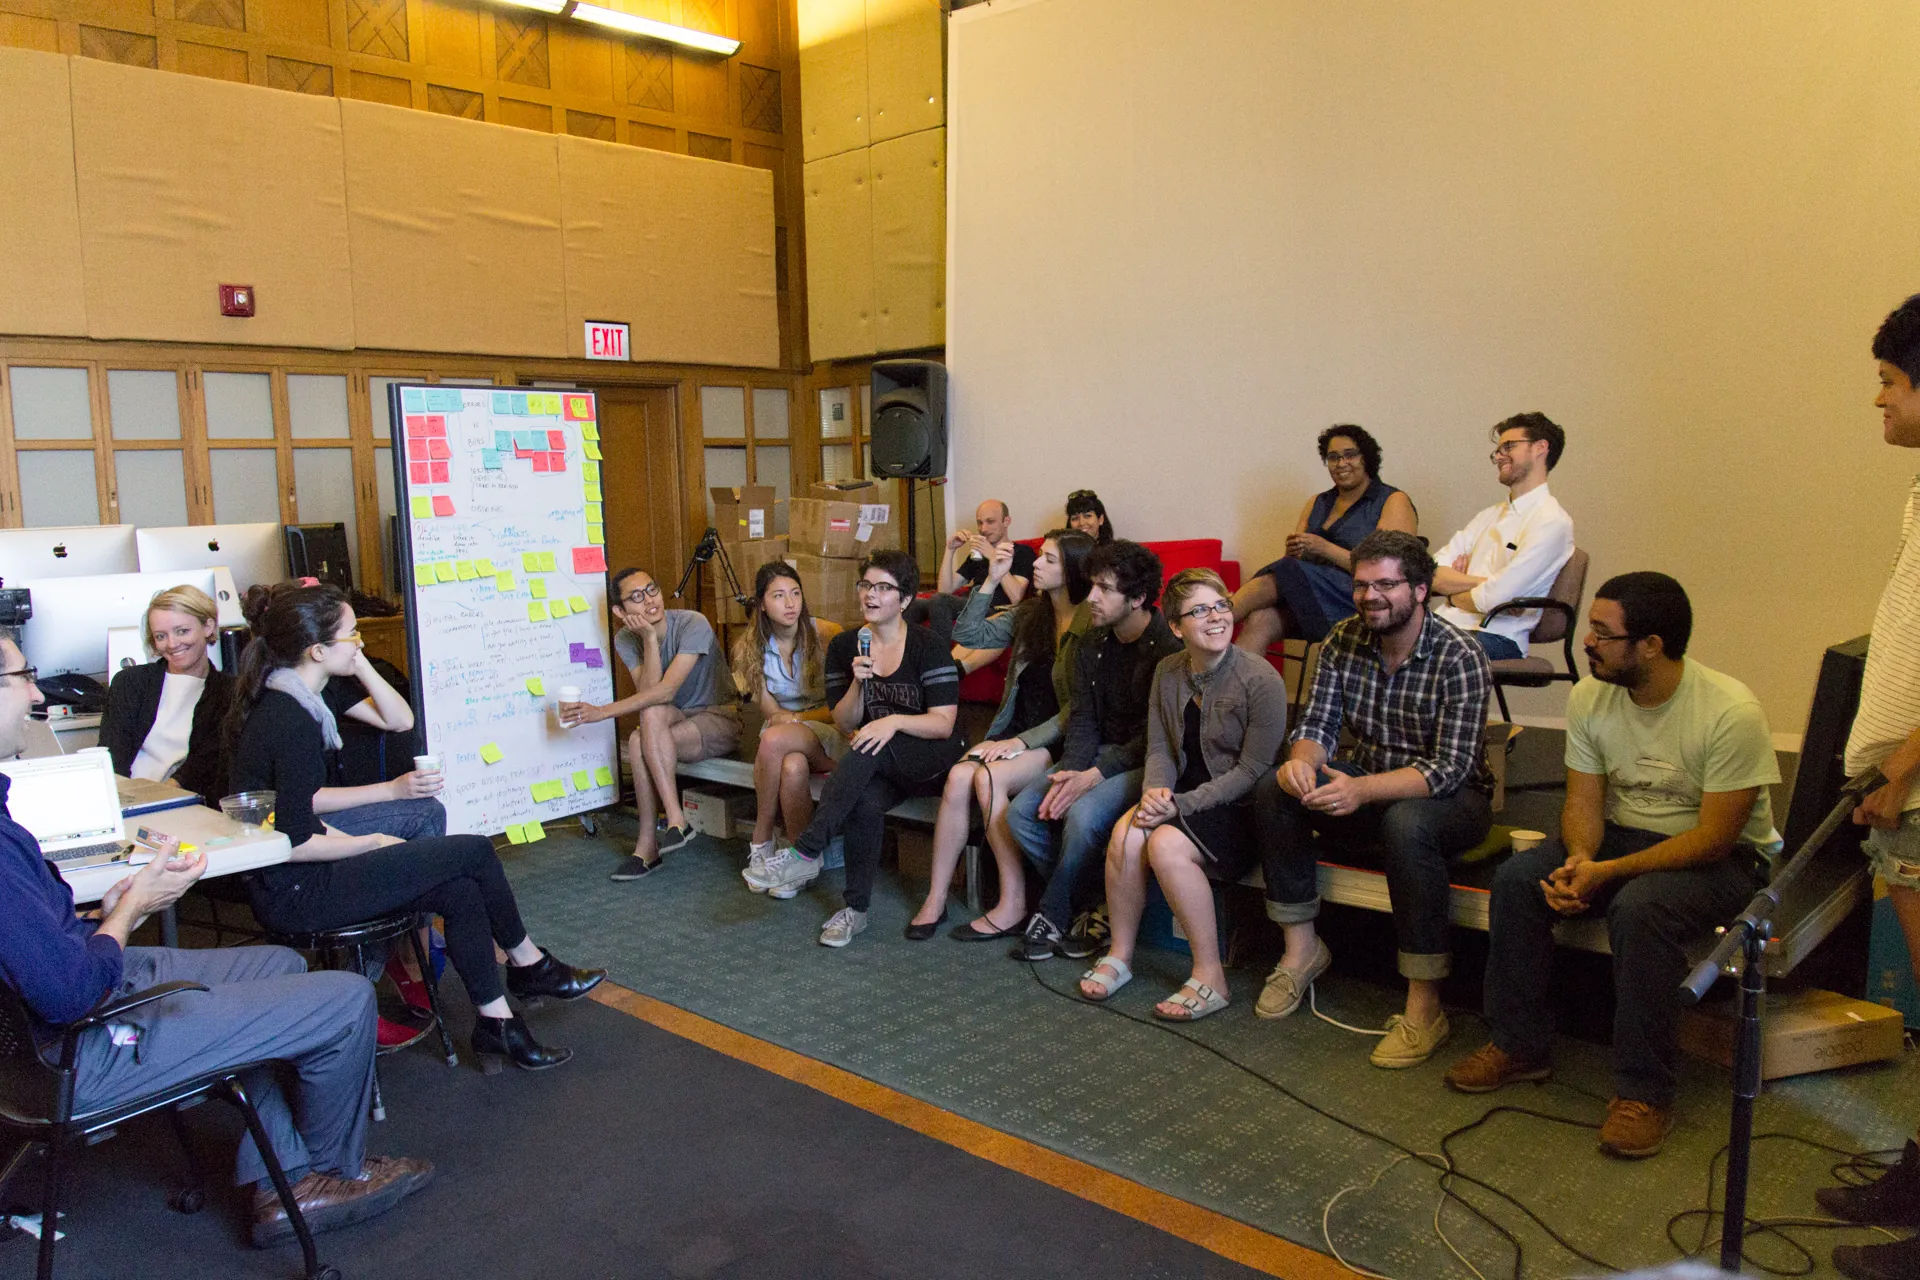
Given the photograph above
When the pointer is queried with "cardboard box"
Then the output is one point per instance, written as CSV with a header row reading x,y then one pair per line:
x,y
1889,964
841,530
746,559
718,811
829,587
1800,1031
743,513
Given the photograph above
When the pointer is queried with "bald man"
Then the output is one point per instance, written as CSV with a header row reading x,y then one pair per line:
x,y
968,555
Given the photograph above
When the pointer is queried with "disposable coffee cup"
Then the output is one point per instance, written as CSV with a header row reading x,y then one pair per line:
x,y
569,693
426,764
1525,840
565,694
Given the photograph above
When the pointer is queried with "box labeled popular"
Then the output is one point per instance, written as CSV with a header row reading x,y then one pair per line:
x,y
1800,1031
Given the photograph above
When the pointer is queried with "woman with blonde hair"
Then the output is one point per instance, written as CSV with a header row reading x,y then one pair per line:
x,y
780,665
163,717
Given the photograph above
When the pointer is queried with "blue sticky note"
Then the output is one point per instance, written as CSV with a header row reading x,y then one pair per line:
x,y
503,402
490,459
503,441
413,400
520,403
440,401
534,440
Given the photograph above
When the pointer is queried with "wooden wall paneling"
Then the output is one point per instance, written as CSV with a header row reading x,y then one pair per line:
x,y
833,76
283,447
839,235
193,431
910,241
40,255
9,468
906,67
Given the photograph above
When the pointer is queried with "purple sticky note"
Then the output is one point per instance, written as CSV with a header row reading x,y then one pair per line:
x,y
594,658
576,652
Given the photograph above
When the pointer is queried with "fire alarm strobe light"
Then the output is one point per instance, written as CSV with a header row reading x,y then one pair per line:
x,y
236,300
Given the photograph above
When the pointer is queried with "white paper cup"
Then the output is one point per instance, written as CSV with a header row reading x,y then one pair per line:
x,y
569,693
426,764
1525,840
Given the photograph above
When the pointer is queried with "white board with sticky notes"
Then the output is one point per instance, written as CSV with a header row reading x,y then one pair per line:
x,y
504,566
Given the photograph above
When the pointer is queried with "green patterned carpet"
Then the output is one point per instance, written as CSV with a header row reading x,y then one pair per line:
x,y
966,1028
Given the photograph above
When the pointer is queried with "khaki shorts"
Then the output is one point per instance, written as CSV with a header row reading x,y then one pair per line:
x,y
1895,855
719,728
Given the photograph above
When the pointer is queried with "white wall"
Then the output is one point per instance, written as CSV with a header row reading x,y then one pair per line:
x,y
1187,234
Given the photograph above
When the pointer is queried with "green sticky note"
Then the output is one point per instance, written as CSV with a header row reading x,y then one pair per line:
x,y
503,581
485,567
538,586
558,608
539,792
534,832
590,471
603,777
466,571
530,562
593,514
492,753
423,508
590,430
583,780
592,490
516,835
596,535
423,575
591,449
536,686
536,612
547,563
577,603
445,571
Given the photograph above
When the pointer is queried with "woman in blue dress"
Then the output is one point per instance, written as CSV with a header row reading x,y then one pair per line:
x,y
1301,595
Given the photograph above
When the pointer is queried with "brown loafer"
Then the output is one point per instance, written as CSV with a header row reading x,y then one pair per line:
x,y
327,1201
1489,1067
1633,1129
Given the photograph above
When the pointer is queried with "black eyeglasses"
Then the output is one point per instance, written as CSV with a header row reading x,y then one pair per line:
x,y
1381,585
644,594
1629,636
1201,612
29,674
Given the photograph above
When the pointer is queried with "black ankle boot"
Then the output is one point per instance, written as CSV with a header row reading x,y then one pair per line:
x,y
551,978
497,1041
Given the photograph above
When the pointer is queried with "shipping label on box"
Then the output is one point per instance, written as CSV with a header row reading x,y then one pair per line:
x,y
743,513
842,530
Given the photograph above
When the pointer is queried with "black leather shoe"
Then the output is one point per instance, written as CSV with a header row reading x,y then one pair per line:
x,y
967,933
1899,1260
1891,1200
498,1041
551,978
921,932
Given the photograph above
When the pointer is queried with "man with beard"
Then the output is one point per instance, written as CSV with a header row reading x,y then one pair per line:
x,y
1412,691
1667,829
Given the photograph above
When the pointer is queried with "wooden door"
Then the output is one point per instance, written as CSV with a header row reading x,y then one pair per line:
x,y
642,480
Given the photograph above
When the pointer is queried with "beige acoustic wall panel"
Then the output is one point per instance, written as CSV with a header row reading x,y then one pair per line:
x,y
455,228
910,241
677,247
833,76
906,67
39,204
186,184
840,298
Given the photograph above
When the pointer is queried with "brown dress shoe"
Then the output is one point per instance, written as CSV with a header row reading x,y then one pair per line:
x,y
1489,1067
1634,1130
327,1201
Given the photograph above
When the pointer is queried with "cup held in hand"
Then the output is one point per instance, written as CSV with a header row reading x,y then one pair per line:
x,y
1525,840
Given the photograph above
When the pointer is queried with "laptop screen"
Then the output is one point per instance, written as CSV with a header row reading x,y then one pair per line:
x,y
65,798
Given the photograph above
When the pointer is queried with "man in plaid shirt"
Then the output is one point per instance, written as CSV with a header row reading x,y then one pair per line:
x,y
1411,689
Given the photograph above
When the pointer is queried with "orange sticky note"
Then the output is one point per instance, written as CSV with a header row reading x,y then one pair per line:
x,y
442,505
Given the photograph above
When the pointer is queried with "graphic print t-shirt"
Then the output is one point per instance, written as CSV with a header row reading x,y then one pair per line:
x,y
926,677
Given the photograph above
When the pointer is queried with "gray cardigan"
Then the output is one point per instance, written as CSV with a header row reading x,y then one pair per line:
x,y
1243,726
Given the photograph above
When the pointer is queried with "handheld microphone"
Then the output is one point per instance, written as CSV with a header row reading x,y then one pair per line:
x,y
866,642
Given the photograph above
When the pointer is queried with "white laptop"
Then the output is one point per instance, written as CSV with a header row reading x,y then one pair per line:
x,y
70,804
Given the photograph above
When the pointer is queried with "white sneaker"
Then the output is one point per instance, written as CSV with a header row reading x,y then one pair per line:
x,y
839,930
757,855
784,874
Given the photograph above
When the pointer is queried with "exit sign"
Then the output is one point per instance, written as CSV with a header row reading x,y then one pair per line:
x,y
607,340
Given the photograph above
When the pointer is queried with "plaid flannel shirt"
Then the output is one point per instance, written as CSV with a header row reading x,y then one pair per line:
x,y
1430,715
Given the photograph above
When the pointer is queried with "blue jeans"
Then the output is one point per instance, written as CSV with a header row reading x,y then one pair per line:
x,y
1497,646
1650,920
1072,852
402,819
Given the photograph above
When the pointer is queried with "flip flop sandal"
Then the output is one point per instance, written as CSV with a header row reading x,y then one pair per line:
x,y
1197,998
1108,984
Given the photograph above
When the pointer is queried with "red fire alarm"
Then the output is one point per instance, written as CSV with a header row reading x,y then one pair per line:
x,y
236,300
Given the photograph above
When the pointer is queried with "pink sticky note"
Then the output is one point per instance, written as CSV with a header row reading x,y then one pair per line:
x,y
577,408
436,424
556,439
442,505
416,425
556,462
438,449
542,462
439,472
417,472
518,452
589,560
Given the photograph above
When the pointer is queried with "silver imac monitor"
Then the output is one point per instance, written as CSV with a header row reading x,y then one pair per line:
x,y
72,551
245,554
71,616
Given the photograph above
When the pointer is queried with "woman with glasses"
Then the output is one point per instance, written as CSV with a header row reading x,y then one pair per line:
x,y
895,693
779,663
1216,724
1087,514
284,738
163,718
1302,594
1044,632
686,714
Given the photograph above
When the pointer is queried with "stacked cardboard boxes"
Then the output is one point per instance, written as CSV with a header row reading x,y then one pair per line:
x,y
743,517
828,533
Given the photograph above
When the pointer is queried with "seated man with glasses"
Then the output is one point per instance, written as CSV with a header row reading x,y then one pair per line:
x,y
686,711
1412,693
1512,549
1667,830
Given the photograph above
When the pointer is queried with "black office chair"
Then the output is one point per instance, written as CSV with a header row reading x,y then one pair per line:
x,y
1559,619
36,1097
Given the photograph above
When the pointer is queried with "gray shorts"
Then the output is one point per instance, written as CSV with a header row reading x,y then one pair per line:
x,y
1895,855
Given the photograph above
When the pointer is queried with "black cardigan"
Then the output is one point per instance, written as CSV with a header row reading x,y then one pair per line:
x,y
133,702
281,750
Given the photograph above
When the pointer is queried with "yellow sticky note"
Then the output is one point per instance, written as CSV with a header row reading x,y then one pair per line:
x,y
492,753
603,777
536,686
538,587
592,490
539,792
595,534
485,567
503,581
536,612
551,402
593,513
577,603
423,508
423,575
590,430
591,449
547,563
590,471
534,832
558,608
466,571
583,780
530,562
445,571
516,835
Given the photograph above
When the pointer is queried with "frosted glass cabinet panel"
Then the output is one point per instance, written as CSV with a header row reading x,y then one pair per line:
x,y
246,485
57,487
144,404
50,404
152,486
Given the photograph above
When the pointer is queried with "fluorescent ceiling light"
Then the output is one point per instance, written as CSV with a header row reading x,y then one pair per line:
x,y
544,6
633,24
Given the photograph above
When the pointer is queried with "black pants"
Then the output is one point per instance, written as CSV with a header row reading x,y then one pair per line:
x,y
455,877
858,794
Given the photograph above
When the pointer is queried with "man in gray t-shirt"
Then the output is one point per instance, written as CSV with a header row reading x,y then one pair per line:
x,y
686,713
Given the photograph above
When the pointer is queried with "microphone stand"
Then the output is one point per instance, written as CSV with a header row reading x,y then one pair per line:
x,y
1748,936
709,547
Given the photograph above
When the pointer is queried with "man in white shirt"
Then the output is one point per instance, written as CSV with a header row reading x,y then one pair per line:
x,y
1512,549
1886,735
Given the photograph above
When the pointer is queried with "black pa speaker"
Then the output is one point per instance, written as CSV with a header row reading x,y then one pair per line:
x,y
909,429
